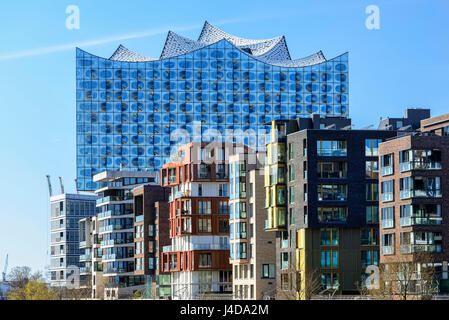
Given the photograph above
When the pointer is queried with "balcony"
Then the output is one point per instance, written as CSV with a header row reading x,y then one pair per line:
x,y
416,248
139,219
387,196
419,220
85,257
115,227
84,270
172,179
387,223
386,171
387,250
83,244
419,165
420,193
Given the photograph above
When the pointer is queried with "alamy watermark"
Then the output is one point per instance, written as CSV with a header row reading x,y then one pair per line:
x,y
72,21
373,20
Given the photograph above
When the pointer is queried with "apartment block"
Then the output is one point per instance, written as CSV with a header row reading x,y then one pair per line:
x,y
322,203
116,229
198,258
91,273
414,216
66,211
151,227
252,250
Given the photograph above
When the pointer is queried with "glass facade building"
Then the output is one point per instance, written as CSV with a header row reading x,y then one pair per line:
x,y
134,111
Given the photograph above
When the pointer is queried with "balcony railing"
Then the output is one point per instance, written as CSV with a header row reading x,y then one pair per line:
x,y
415,248
387,196
385,171
416,221
139,219
419,165
387,223
420,193
387,250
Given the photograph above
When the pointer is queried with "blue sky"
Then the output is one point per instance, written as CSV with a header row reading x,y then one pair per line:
x,y
404,64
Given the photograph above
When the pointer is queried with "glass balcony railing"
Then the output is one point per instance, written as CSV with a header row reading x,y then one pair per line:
x,y
416,221
113,227
387,223
416,248
139,219
83,244
387,250
419,165
420,193
387,196
385,171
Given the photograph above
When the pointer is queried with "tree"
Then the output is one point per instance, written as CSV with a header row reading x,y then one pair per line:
x,y
18,277
137,294
34,290
407,278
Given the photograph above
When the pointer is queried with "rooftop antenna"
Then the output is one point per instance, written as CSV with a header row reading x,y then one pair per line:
x,y
50,190
62,185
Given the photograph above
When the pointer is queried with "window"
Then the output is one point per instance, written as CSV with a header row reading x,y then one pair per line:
x,y
372,214
291,154
284,260
205,260
291,173
387,163
332,214
222,190
329,259
387,217
223,207
372,169
329,280
291,195
292,216
419,160
200,190
204,225
332,192
372,192
241,251
421,214
372,147
370,258
251,188
388,243
251,210
331,147
285,282
369,237
204,207
332,170
223,226
387,189
329,237
423,187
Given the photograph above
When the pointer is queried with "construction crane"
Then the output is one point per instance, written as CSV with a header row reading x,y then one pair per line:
x,y
5,269
62,185
49,185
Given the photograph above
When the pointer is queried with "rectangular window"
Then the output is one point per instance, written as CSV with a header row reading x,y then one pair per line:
x,y
333,148
387,189
372,169
369,237
372,214
205,260
223,226
291,195
204,207
329,259
421,214
204,225
329,280
372,147
332,214
372,192
388,243
329,237
291,173
332,169
387,163
370,258
332,192
268,271
290,151
387,218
